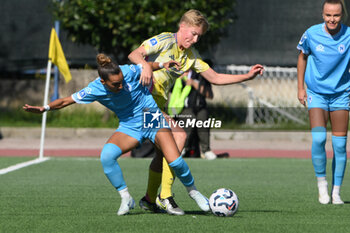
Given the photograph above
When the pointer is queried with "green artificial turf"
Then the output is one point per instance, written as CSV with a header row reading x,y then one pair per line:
x,y
73,195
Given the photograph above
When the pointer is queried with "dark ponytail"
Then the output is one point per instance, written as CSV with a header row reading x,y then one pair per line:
x,y
105,66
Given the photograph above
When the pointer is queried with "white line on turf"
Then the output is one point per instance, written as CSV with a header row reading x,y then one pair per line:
x,y
22,165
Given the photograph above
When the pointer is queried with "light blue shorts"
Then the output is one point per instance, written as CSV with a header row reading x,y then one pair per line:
x,y
144,128
328,102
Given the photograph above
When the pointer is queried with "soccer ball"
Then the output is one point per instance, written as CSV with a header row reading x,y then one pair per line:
x,y
223,202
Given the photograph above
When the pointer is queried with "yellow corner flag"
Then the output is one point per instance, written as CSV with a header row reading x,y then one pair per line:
x,y
57,56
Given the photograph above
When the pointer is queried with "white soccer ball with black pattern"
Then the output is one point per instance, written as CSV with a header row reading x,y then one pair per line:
x,y
223,202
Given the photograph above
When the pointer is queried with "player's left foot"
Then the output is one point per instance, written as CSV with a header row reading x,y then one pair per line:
x,y
201,200
337,200
126,205
169,205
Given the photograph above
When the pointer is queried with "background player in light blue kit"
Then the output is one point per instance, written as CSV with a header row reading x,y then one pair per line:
x,y
118,88
324,64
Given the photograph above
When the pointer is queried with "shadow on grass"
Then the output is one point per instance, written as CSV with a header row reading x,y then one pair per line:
x,y
197,212
262,211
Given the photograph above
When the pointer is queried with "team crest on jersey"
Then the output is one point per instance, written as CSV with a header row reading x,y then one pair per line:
x,y
320,48
341,48
153,41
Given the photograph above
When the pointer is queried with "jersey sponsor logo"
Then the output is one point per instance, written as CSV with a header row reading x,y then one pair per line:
x,y
320,48
81,94
341,49
153,41
303,38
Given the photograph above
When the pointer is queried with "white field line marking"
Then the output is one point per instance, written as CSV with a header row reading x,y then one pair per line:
x,y
22,165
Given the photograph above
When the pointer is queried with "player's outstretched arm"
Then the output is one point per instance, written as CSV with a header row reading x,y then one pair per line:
x,y
57,104
138,57
224,79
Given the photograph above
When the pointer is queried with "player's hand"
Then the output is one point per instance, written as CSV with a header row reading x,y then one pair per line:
x,y
170,64
33,109
146,75
255,70
302,96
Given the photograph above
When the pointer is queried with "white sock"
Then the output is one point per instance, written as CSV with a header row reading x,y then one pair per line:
x,y
321,180
336,190
124,193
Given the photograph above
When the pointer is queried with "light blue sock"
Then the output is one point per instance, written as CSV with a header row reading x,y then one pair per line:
x,y
339,159
182,171
318,150
109,155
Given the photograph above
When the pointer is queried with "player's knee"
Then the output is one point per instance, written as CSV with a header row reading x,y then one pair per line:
x,y
319,136
110,153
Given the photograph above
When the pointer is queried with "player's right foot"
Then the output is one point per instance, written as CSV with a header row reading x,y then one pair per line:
x,y
169,205
201,200
147,205
323,196
337,200
126,205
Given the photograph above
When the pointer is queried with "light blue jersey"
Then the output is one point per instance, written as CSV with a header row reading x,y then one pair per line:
x,y
328,66
128,104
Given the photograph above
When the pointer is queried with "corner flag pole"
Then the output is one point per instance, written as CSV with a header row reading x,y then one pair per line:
x,y
56,56
43,122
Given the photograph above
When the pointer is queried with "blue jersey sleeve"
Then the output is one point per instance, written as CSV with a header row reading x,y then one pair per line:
x,y
88,94
136,71
303,44
84,96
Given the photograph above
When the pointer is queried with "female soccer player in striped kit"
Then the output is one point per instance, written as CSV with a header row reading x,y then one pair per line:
x,y
176,46
119,90
324,64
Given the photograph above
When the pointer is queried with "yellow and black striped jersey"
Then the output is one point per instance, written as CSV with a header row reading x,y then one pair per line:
x,y
163,48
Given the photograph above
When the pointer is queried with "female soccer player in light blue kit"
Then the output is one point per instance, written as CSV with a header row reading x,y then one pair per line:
x,y
118,88
324,63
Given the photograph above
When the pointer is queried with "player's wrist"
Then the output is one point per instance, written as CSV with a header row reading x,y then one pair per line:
x,y
46,108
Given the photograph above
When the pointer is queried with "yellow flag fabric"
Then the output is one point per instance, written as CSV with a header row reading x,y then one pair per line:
x,y
57,56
